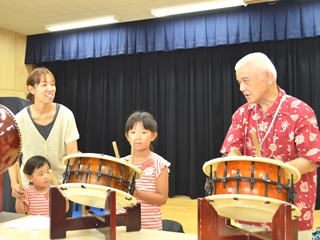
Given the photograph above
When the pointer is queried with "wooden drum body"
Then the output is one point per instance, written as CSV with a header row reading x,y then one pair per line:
x,y
10,139
241,187
89,177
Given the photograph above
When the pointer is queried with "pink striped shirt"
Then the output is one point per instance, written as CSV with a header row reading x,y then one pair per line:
x,y
38,202
151,215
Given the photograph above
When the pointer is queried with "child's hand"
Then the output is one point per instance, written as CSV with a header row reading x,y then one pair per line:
x,y
136,193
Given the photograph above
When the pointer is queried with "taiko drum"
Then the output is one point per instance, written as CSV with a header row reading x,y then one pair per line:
x,y
251,176
89,177
10,139
100,169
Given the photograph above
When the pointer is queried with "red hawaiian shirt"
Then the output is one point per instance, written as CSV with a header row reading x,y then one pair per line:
x,y
288,130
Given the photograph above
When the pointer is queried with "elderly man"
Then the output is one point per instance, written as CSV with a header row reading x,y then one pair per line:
x,y
286,130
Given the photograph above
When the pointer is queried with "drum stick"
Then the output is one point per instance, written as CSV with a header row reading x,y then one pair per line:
x,y
19,175
55,183
53,178
237,151
132,150
256,143
115,149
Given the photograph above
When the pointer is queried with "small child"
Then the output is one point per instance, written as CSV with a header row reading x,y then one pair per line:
x,y
36,198
152,188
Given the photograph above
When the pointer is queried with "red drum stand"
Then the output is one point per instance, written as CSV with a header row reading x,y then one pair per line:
x,y
212,226
60,224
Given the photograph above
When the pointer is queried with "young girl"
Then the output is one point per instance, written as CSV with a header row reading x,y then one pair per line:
x,y
152,187
36,198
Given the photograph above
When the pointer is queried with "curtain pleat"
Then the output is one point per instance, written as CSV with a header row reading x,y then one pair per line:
x,y
292,19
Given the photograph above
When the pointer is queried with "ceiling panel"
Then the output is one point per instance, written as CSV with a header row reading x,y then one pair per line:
x,y
29,17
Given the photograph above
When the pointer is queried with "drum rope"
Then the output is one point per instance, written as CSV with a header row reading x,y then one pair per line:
x,y
290,191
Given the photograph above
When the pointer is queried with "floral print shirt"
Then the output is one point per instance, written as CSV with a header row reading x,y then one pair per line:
x,y
288,130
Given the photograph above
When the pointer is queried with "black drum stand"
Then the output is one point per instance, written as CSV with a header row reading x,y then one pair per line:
x,y
212,226
60,224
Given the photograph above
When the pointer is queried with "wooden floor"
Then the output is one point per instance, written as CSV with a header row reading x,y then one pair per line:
x,y
184,210
316,222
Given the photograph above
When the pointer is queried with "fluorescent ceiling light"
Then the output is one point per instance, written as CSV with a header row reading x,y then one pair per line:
x,y
82,23
195,7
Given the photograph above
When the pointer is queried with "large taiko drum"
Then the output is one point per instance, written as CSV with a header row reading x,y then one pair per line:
x,y
250,188
10,139
90,176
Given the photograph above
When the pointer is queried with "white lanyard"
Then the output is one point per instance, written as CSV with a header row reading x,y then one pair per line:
x,y
271,124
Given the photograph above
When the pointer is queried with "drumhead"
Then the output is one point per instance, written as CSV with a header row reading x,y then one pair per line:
x,y
73,156
95,195
247,207
288,169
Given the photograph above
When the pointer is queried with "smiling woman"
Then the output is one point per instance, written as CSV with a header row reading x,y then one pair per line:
x,y
48,129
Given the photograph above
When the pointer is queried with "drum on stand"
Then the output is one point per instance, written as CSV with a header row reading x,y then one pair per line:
x,y
10,145
250,188
10,139
89,177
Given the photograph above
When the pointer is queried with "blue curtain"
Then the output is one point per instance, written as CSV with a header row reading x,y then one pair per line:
x,y
254,23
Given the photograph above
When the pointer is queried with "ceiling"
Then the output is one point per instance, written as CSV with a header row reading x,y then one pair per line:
x,y
29,17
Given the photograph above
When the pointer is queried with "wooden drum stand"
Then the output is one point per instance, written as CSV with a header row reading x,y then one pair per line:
x,y
211,226
1,180
59,224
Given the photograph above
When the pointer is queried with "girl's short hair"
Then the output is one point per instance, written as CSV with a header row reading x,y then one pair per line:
x,y
33,163
145,118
